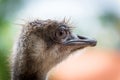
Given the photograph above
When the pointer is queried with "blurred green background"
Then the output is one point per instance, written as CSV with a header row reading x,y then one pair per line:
x,y
96,18
8,10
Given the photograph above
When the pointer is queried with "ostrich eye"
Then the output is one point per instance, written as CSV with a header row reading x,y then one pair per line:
x,y
61,33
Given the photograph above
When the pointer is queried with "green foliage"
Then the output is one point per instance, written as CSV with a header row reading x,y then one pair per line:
x,y
8,10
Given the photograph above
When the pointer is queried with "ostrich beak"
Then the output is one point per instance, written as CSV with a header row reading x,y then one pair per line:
x,y
80,41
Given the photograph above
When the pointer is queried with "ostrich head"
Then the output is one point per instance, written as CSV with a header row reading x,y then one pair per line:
x,y
44,43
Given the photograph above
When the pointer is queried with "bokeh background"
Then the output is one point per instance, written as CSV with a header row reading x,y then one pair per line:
x,y
99,19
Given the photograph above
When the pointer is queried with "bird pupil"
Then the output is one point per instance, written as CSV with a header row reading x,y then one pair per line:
x,y
61,33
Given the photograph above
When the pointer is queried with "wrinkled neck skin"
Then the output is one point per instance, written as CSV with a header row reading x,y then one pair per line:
x,y
32,59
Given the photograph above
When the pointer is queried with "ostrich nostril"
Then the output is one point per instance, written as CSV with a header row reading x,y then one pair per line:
x,y
81,37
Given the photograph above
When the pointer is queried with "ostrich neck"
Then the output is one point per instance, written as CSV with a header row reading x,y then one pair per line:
x,y
26,67
31,62
31,67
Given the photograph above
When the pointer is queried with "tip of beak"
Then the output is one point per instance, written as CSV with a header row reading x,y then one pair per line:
x,y
93,43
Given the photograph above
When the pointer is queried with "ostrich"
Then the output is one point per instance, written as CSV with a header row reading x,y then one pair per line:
x,y
41,45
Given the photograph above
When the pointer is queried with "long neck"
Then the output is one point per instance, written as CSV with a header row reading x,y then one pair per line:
x,y
29,67
29,61
24,65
